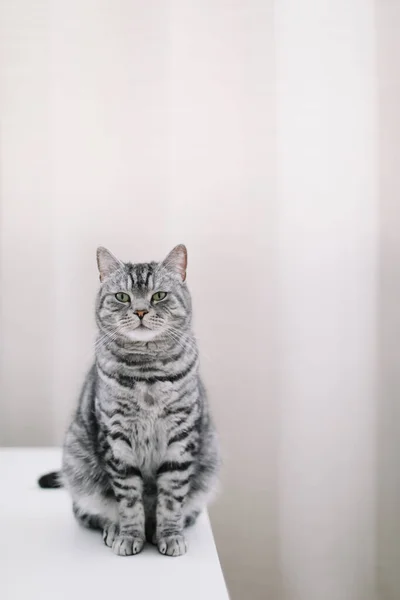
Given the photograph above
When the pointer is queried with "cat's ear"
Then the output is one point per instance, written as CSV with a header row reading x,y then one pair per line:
x,y
106,262
177,261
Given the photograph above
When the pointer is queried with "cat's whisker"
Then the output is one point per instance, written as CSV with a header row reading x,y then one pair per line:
x,y
185,343
178,340
107,337
193,345
189,340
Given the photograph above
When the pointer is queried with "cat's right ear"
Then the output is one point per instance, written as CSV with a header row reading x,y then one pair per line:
x,y
106,262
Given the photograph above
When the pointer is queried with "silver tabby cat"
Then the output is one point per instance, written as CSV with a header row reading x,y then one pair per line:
x,y
141,457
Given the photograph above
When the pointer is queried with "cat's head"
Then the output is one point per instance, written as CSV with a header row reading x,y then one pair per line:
x,y
143,302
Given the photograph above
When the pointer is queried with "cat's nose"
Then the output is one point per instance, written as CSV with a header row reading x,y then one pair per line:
x,y
141,313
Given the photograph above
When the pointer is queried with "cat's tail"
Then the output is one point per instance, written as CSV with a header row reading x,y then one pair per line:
x,y
50,480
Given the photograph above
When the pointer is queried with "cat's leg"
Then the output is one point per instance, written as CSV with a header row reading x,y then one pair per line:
x,y
186,482
173,483
127,483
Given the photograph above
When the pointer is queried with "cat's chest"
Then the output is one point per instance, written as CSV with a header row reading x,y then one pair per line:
x,y
148,444
147,430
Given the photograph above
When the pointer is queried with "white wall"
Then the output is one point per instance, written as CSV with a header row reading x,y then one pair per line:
x,y
328,240
26,249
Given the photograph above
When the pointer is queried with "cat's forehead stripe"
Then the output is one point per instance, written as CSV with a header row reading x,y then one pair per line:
x,y
149,270
140,276
131,277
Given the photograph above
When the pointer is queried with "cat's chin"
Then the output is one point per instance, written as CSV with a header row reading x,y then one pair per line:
x,y
141,334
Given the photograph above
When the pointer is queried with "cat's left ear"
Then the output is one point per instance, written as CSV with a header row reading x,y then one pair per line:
x,y
176,261
106,262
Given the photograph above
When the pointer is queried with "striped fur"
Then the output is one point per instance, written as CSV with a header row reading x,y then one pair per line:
x,y
140,456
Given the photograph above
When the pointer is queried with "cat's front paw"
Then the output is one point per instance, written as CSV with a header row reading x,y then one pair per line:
x,y
126,545
172,545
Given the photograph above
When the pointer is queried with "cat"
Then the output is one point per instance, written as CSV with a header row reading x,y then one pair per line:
x,y
141,457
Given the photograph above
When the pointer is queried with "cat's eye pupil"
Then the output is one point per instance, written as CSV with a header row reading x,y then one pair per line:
x,y
159,296
122,297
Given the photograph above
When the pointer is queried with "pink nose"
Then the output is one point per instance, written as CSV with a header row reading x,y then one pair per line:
x,y
141,313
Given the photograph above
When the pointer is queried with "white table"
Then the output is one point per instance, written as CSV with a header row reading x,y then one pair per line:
x,y
45,555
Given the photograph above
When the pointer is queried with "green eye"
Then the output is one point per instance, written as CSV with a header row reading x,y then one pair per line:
x,y
158,296
122,297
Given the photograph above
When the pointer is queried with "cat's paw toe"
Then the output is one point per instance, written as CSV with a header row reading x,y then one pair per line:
x,y
109,534
172,545
124,545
